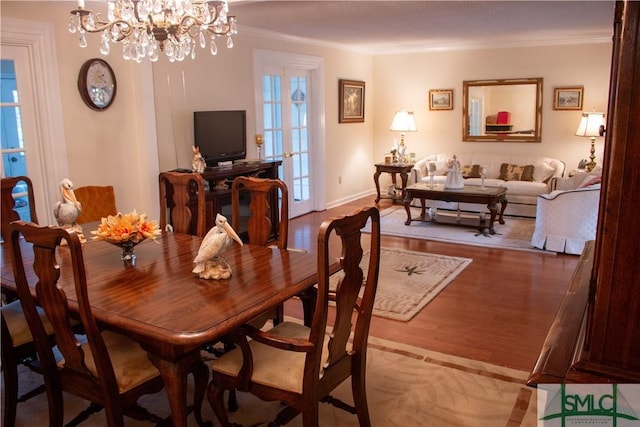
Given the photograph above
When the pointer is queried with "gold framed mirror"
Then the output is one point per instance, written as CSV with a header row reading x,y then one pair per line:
x,y
506,110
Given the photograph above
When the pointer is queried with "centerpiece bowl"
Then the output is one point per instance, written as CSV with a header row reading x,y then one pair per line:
x,y
126,231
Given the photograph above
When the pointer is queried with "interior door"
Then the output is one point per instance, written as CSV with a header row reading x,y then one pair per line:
x,y
19,140
286,135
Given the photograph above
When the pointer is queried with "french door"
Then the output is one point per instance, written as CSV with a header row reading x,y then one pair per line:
x,y
288,115
286,134
20,155
32,132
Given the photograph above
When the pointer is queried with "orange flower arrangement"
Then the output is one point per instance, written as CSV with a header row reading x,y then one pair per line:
x,y
132,227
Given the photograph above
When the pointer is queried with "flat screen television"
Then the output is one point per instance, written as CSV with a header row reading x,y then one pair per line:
x,y
220,135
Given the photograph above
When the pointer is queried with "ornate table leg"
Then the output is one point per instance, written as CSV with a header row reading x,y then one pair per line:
x,y
503,204
404,177
407,206
174,376
376,176
493,208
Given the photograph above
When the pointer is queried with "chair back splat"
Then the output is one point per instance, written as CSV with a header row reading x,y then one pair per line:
x,y
93,369
263,204
176,208
301,365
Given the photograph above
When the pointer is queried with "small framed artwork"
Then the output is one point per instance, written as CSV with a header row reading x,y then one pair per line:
x,y
568,98
351,95
441,99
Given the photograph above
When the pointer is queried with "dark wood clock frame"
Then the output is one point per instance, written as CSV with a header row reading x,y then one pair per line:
x,y
82,84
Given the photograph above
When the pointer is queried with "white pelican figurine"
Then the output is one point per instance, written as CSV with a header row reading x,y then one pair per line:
x,y
68,209
209,263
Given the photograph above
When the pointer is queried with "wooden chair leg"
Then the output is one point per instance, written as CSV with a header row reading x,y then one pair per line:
x,y
215,395
359,390
10,372
56,404
200,373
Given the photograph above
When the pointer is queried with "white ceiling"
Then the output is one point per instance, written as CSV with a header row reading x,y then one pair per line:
x,y
379,27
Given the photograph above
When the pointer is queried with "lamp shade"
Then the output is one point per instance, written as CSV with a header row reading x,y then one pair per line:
x,y
403,121
590,124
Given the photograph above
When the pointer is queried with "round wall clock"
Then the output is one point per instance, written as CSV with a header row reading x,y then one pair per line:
x,y
97,84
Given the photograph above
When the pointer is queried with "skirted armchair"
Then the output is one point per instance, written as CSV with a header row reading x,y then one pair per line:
x,y
566,219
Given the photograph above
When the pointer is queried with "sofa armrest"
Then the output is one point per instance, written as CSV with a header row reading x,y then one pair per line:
x,y
418,171
420,168
560,194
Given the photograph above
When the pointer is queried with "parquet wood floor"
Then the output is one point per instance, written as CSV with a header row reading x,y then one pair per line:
x,y
498,310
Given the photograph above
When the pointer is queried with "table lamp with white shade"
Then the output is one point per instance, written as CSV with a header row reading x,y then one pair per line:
x,y
591,125
403,121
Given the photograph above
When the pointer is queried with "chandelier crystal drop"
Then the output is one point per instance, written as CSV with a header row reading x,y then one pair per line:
x,y
146,28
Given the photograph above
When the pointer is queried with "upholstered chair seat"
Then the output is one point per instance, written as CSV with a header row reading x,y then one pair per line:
x,y
273,367
17,324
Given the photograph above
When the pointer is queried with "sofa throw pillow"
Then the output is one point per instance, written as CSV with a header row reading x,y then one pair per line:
x,y
516,173
542,172
471,171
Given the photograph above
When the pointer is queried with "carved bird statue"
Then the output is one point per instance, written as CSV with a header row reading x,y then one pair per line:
x,y
209,263
68,209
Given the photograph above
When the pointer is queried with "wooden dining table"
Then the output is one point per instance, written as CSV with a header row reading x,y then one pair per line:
x,y
168,309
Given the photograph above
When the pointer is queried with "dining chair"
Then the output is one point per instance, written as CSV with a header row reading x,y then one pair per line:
x,y
262,193
97,202
299,365
103,367
16,342
176,208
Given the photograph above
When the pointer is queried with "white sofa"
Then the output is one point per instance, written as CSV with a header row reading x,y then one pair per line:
x,y
521,195
568,216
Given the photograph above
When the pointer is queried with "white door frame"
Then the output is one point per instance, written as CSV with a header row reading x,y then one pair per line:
x,y
38,38
265,59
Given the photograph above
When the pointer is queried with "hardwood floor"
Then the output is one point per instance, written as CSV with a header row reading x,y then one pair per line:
x,y
498,310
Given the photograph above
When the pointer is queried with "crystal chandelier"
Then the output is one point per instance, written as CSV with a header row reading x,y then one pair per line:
x,y
147,27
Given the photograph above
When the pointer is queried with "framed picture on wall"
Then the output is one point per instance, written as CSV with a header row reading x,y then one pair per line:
x,y
351,95
441,99
568,98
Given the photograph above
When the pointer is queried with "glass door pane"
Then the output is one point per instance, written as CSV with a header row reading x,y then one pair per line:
x,y
11,139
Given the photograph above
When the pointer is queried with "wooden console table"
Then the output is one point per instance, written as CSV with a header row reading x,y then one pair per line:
x,y
401,169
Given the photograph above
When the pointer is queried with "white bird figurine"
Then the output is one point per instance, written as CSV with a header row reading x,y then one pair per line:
x,y
209,263
68,209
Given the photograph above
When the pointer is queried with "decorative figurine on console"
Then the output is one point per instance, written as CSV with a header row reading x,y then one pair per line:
x,y
432,172
394,151
483,176
454,175
209,263
68,209
197,162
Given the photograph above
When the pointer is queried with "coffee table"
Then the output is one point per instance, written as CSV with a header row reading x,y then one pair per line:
x,y
490,196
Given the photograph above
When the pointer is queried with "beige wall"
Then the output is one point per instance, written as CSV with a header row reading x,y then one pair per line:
x,y
226,82
122,146
404,81
108,147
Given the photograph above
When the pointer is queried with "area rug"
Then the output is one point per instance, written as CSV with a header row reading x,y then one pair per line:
x,y
408,280
514,234
406,387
